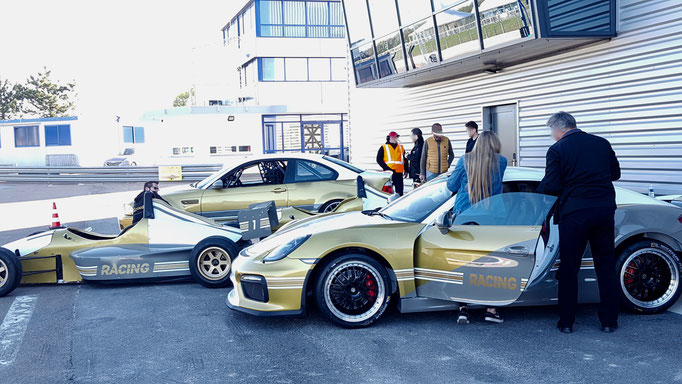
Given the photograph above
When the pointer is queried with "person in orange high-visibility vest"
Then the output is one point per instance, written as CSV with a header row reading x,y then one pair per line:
x,y
391,157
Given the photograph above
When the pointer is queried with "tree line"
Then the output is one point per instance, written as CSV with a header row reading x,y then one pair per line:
x,y
38,96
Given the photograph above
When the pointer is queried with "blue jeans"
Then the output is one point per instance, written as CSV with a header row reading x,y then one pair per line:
x,y
430,175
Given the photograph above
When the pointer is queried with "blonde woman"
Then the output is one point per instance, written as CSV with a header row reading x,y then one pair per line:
x,y
477,176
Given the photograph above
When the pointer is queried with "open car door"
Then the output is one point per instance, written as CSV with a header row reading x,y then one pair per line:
x,y
488,253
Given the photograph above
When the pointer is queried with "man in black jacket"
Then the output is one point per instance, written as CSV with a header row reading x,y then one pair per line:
x,y
580,170
138,204
415,156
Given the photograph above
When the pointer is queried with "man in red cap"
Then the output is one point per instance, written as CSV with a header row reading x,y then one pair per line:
x,y
391,157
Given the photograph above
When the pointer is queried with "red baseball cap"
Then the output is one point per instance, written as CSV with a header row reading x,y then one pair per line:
x,y
393,134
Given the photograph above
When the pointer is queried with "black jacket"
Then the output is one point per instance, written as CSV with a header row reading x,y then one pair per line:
x,y
138,205
414,158
580,170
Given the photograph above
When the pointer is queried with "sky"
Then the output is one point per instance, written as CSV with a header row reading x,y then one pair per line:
x,y
125,56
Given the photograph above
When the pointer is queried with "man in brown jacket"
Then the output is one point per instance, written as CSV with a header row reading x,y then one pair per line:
x,y
437,154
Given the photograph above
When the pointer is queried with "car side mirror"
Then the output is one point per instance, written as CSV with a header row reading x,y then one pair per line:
x,y
393,197
444,221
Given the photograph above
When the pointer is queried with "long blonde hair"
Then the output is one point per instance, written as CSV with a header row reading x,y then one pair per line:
x,y
481,164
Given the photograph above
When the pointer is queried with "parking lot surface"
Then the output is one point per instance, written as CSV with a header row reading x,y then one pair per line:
x,y
181,332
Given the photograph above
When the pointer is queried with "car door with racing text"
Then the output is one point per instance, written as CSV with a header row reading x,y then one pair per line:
x,y
488,253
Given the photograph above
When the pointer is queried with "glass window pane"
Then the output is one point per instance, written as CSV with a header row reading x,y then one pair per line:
x,y
318,31
65,134
358,22
139,134
390,55
318,13
271,30
296,69
270,12
363,63
337,31
294,31
319,69
420,44
51,135
336,14
457,30
579,16
128,134
273,69
339,70
502,23
413,10
514,208
442,4
294,12
309,171
384,16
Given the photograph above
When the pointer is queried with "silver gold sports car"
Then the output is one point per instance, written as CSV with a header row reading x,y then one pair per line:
x,y
165,243
501,251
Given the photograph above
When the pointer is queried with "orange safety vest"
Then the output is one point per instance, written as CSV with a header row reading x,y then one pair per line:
x,y
395,157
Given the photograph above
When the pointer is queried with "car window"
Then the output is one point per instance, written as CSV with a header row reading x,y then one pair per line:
x,y
419,203
311,171
261,173
513,208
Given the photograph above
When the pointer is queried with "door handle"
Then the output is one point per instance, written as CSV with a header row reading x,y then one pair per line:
x,y
517,250
279,190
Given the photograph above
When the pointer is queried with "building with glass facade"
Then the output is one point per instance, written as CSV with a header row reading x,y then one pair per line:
x,y
292,54
509,64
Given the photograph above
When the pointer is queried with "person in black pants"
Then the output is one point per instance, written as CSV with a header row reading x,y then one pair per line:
x,y
580,170
391,157
415,155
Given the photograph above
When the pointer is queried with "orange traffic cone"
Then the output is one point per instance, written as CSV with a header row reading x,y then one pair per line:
x,y
55,216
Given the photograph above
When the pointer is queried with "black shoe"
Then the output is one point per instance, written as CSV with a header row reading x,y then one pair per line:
x,y
463,317
609,329
493,317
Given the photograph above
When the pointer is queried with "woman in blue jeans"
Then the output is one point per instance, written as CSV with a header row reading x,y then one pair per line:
x,y
477,176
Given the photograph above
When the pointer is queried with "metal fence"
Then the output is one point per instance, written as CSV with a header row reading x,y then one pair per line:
x,y
100,174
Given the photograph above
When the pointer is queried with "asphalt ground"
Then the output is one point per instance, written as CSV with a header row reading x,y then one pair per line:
x,y
182,332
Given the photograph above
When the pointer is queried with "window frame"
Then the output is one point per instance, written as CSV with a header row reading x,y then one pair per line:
x,y
59,128
307,26
261,74
37,130
134,134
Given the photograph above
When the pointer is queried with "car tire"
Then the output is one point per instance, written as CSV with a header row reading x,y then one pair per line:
x,y
358,301
329,206
211,261
11,271
133,164
649,277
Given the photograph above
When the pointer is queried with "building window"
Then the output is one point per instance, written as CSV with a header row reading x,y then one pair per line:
x,y
244,148
302,69
26,136
133,135
310,18
57,135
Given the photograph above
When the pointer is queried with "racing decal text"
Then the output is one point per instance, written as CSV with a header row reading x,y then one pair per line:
x,y
125,269
493,281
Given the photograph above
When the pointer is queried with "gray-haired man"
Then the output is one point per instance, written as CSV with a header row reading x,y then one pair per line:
x,y
580,170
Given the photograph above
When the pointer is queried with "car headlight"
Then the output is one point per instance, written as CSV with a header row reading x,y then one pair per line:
x,y
285,249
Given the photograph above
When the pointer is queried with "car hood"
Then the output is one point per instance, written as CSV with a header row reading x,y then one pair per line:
x,y
333,222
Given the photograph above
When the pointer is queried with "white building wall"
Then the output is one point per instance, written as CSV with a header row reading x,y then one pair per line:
x,y
628,90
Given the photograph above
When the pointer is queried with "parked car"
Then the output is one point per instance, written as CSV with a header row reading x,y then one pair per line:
x,y
501,251
127,158
166,243
311,182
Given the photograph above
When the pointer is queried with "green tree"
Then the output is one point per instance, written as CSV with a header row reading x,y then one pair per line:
x,y
11,98
181,99
46,98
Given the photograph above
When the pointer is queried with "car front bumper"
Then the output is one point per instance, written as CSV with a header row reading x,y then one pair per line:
x,y
282,283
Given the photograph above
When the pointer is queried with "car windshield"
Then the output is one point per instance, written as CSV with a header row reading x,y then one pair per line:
x,y
128,151
343,164
420,203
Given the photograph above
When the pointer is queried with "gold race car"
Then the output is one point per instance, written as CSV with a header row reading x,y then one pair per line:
x,y
307,181
166,243
501,251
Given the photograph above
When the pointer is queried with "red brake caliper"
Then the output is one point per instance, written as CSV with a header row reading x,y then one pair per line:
x,y
629,272
370,286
